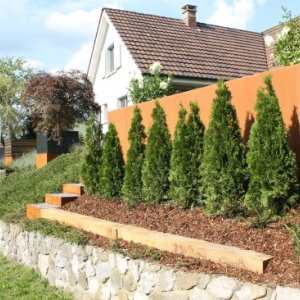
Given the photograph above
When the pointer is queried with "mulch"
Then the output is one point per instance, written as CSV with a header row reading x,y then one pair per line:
x,y
274,240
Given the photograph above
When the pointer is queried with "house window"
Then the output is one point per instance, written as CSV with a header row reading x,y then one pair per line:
x,y
110,59
104,113
123,102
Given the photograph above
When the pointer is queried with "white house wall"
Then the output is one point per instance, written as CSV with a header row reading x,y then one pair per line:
x,y
109,88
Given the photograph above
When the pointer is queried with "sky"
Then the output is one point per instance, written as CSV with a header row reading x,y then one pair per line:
x,y
57,35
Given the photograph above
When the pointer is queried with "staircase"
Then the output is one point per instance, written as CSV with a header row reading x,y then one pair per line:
x,y
70,192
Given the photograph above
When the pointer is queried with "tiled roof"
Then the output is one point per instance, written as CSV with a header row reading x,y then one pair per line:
x,y
208,52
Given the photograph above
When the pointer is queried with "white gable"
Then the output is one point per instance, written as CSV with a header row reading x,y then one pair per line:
x,y
111,75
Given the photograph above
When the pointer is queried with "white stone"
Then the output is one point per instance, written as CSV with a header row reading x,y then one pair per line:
x,y
103,271
186,281
94,286
43,264
60,260
116,280
140,296
165,281
134,267
75,264
90,269
251,292
199,294
105,293
282,293
222,287
122,264
147,282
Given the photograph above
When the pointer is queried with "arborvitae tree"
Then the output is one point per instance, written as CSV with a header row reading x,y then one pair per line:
x,y
273,186
93,152
223,173
156,167
195,142
112,168
132,187
179,185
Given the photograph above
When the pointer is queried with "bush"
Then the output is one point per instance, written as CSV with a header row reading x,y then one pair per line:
x,y
195,143
178,170
26,161
93,151
132,187
156,167
223,174
112,167
273,186
152,86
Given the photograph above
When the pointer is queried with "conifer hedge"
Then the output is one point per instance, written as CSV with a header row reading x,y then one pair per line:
x,y
112,167
155,172
132,187
273,186
90,171
223,172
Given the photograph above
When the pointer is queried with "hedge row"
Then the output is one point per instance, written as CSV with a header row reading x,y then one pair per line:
x,y
208,168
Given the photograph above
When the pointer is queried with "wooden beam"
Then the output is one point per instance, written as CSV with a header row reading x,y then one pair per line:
x,y
222,254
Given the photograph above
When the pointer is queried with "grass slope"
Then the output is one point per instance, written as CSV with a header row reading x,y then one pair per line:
x,y
19,282
30,186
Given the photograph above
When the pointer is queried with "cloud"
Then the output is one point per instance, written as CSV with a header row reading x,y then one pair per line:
x,y
33,63
236,14
75,22
80,59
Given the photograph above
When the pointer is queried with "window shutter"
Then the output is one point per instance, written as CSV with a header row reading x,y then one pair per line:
x,y
118,56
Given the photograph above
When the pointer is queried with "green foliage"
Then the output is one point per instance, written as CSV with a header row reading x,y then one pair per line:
x,y
26,161
112,167
273,186
132,187
13,74
178,167
287,45
295,232
223,174
195,143
90,172
152,86
156,167
20,282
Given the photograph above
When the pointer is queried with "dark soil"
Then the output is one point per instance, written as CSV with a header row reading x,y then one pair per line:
x,y
274,240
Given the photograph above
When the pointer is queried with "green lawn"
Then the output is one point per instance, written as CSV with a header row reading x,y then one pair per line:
x,y
20,282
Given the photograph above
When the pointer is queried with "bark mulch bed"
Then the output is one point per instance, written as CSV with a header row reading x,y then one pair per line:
x,y
274,240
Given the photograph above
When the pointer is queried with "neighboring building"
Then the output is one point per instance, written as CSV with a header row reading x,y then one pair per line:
x,y
196,54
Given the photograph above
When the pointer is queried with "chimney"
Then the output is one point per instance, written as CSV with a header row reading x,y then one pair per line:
x,y
189,15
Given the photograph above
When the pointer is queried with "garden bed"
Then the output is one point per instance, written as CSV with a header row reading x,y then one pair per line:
x,y
274,240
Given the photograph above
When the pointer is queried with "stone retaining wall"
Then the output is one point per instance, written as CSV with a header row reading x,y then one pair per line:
x,y
94,273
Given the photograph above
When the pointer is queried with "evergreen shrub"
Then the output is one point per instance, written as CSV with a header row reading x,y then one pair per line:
x,y
272,168
156,166
132,187
223,169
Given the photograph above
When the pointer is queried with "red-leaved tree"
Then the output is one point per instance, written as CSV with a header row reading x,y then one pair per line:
x,y
58,101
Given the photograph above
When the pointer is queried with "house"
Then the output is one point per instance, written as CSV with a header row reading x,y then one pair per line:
x,y
195,53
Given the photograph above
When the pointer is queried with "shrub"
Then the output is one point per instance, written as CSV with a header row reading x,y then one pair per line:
x,y
58,101
156,165
287,45
152,86
90,171
295,232
132,187
27,160
112,167
272,166
195,142
223,174
178,167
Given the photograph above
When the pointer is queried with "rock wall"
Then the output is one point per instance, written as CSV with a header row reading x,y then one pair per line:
x,y
94,273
